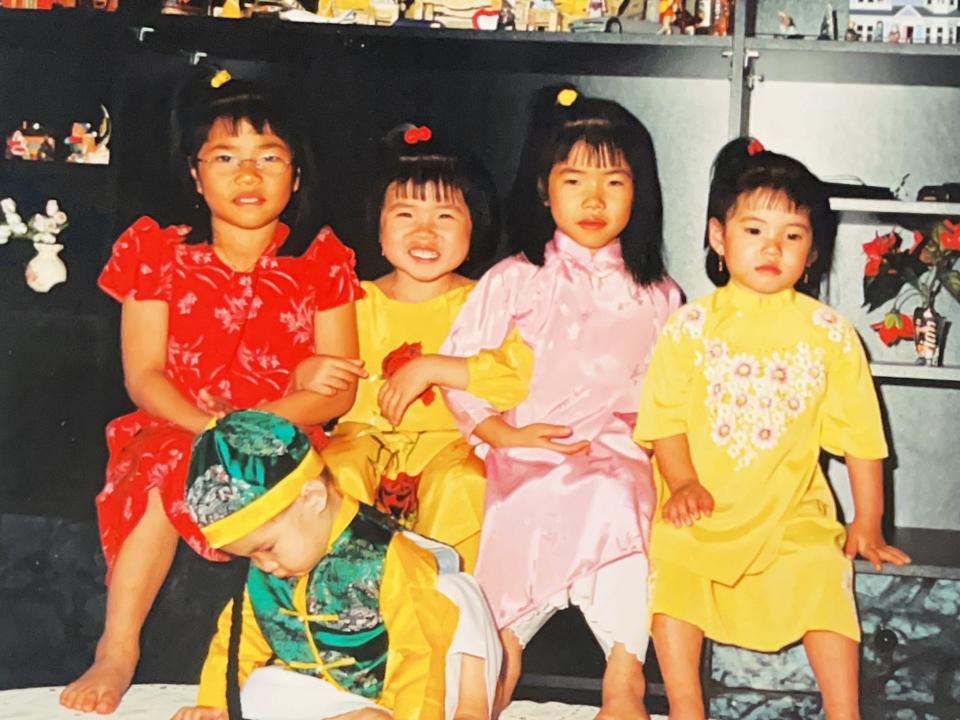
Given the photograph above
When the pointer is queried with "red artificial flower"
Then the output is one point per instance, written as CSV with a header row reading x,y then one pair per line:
x,y
881,244
398,496
950,238
872,267
917,240
396,359
894,327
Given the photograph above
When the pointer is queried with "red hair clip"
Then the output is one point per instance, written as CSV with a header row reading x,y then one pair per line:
x,y
412,136
754,147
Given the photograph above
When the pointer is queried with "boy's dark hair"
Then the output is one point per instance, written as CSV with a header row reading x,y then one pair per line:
x,y
412,156
199,105
743,167
610,131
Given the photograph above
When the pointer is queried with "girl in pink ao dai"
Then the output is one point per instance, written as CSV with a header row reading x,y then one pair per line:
x,y
569,496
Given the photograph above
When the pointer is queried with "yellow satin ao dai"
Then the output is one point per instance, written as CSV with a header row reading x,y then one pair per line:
x,y
758,384
365,446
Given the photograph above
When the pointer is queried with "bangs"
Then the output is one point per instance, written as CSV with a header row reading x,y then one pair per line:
x,y
428,177
769,198
233,112
592,144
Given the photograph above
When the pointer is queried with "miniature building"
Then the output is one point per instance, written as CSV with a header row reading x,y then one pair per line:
x,y
911,21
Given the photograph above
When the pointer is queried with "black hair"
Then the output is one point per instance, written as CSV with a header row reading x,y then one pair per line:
x,y
199,105
412,156
610,132
743,167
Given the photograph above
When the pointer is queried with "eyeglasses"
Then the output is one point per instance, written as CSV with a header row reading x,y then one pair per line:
x,y
223,164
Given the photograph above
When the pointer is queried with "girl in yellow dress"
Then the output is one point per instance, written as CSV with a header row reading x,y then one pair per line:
x,y
398,447
744,388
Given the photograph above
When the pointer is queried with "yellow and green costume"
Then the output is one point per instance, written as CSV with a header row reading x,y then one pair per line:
x,y
425,452
368,619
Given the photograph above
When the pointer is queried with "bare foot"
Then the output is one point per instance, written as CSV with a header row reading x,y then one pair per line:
x,y
100,688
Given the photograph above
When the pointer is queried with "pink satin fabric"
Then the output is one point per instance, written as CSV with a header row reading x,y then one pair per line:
x,y
551,518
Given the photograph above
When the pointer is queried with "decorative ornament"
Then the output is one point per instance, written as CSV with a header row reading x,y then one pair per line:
x,y
45,269
30,142
87,146
567,97
755,147
415,134
221,78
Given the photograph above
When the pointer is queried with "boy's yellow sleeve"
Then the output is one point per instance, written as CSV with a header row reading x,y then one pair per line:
x,y
420,622
501,376
254,652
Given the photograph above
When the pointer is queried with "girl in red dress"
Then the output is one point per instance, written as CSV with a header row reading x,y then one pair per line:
x,y
212,319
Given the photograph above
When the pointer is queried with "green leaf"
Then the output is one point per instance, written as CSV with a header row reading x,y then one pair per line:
x,y
881,288
951,281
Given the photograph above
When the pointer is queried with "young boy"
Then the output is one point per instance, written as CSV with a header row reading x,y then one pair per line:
x,y
344,614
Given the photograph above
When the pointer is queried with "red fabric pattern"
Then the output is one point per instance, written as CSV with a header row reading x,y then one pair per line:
x,y
238,335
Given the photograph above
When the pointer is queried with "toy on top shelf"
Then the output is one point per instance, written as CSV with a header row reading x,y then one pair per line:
x,y
906,21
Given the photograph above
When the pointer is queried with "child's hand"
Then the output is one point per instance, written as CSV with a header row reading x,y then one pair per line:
x,y
541,435
200,713
866,540
687,503
405,385
216,405
327,374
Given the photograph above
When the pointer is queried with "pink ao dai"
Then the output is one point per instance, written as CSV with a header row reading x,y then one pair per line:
x,y
552,518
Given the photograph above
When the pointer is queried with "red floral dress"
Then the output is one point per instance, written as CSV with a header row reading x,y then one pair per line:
x,y
237,334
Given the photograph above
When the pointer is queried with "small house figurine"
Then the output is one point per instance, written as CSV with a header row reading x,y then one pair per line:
x,y
30,142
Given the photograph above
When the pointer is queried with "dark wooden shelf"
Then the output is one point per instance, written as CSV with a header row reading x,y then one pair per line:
x,y
843,62
935,554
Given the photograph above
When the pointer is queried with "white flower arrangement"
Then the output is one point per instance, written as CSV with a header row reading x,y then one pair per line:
x,y
41,228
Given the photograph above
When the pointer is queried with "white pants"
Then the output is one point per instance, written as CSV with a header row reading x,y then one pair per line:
x,y
274,693
613,601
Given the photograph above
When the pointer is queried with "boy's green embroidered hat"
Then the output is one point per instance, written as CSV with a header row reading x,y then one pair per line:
x,y
245,470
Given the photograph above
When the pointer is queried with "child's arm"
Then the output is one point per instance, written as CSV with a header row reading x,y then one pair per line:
x,y
864,536
143,336
415,377
253,653
497,432
335,332
688,498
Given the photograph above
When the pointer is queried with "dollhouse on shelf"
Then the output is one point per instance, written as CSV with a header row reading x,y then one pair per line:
x,y
930,22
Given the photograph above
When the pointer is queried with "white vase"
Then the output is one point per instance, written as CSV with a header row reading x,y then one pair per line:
x,y
46,269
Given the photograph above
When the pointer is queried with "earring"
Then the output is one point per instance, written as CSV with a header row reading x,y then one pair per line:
x,y
806,276
720,263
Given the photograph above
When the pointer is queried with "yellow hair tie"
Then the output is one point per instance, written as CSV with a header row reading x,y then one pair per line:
x,y
567,97
221,78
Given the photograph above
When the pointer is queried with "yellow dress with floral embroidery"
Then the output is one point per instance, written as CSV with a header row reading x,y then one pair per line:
x,y
424,464
758,384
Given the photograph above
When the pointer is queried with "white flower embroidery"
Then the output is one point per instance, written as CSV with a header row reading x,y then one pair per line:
x,y
688,320
750,399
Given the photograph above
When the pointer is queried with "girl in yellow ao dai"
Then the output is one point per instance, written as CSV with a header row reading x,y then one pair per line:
x,y
743,389
398,448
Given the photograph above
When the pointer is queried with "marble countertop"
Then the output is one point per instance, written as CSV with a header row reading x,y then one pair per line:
x,y
159,702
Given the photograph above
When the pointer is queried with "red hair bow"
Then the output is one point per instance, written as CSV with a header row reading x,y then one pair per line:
x,y
413,135
754,147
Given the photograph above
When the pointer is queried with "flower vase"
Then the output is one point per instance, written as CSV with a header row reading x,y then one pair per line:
x,y
929,332
46,269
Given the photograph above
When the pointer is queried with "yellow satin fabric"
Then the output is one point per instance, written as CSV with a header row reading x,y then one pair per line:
x,y
767,565
420,623
365,446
